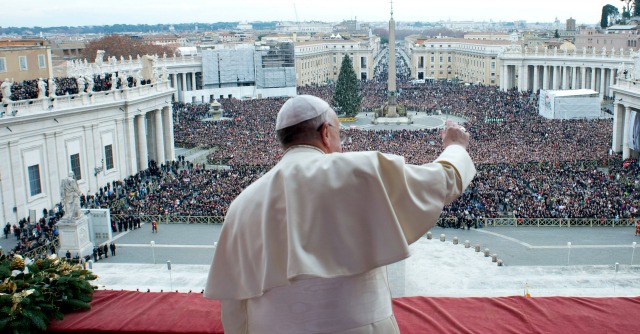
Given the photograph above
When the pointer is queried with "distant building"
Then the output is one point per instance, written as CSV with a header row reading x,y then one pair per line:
x,y
319,61
303,27
616,37
487,36
25,59
571,24
244,25
468,60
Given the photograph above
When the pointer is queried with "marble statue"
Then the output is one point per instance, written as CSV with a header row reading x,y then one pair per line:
x,y
70,194
148,64
6,90
81,84
636,67
52,87
99,57
123,80
42,88
113,81
584,51
137,79
165,73
90,83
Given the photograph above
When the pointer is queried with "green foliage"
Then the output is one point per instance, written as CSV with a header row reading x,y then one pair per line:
x,y
31,295
609,15
556,34
346,98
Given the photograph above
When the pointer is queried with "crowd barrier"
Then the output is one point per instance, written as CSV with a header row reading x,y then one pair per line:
x,y
480,222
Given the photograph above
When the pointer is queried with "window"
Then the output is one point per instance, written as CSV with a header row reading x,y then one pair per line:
x,y
108,156
421,62
75,166
41,61
23,63
34,180
3,64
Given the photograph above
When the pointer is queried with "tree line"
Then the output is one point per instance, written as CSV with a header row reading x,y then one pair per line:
x,y
121,28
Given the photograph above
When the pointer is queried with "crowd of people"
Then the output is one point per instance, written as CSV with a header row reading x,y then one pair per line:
x,y
528,166
29,89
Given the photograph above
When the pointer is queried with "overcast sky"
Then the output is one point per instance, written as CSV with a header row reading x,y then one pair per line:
x,y
47,13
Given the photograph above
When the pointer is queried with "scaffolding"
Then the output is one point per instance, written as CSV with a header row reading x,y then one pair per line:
x,y
266,66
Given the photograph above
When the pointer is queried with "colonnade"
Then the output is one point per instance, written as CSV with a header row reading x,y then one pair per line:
x,y
183,82
153,133
556,77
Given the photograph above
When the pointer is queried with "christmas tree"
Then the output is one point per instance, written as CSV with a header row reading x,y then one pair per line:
x,y
346,98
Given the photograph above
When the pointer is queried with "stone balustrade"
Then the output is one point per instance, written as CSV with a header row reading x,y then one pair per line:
x,y
38,106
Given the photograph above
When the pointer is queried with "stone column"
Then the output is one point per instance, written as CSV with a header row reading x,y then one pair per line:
x,y
522,86
618,130
574,74
565,77
626,151
159,147
536,78
174,85
132,154
151,136
169,146
545,77
21,190
8,199
52,162
503,78
612,81
556,74
583,77
141,132
602,82
184,83
593,78
193,81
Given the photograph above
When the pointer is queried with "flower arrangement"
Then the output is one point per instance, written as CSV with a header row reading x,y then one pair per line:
x,y
33,293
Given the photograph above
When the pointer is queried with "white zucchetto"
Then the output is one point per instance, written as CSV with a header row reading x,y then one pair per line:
x,y
299,109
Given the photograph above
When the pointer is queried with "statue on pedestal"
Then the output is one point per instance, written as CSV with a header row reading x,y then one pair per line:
x,y
6,90
42,88
70,194
52,87
81,84
113,81
90,83
99,57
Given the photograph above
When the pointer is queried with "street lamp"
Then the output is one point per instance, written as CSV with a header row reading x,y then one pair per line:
x,y
153,251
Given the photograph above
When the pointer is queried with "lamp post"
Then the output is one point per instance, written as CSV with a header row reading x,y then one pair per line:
x,y
569,253
153,251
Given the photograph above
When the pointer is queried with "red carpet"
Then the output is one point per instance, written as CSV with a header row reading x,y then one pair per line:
x,y
170,312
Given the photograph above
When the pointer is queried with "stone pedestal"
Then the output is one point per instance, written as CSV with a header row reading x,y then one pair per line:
x,y
74,237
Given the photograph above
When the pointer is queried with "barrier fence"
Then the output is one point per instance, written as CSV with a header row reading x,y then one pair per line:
x,y
480,222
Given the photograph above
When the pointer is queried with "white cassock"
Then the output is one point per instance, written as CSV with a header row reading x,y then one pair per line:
x,y
304,248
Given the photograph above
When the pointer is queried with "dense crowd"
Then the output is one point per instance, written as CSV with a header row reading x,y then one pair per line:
x,y
528,166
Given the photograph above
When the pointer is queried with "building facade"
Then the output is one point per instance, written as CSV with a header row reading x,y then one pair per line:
x,y
100,136
25,60
467,60
318,62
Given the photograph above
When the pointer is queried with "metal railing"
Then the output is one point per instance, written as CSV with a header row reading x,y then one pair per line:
x,y
42,251
485,222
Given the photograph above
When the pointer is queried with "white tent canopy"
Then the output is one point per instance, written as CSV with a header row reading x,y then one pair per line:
x,y
569,104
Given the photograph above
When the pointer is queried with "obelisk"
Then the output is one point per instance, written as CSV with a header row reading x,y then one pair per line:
x,y
391,83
